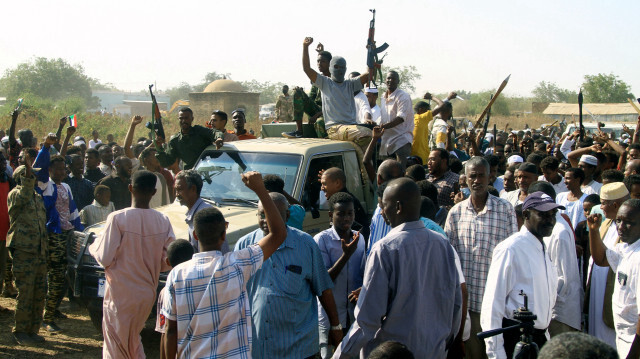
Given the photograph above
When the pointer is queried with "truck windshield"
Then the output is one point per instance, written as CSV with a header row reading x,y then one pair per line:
x,y
220,171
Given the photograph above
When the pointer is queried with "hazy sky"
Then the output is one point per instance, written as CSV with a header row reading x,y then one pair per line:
x,y
471,45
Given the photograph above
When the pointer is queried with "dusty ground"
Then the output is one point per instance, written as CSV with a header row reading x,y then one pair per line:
x,y
79,338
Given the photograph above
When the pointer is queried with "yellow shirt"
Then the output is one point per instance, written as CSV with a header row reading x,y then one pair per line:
x,y
420,145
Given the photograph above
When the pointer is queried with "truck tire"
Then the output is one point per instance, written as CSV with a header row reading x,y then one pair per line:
x,y
96,319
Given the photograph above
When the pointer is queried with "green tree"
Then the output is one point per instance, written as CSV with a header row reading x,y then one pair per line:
x,y
180,92
475,102
53,79
408,77
602,88
550,92
269,91
209,78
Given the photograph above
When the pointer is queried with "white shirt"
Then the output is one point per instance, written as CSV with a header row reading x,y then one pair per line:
x,y
438,125
512,197
376,114
558,187
561,246
362,107
498,184
574,209
592,187
397,104
598,282
520,262
93,143
624,260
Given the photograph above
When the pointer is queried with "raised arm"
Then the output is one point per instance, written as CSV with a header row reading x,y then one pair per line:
x,y
347,251
598,249
12,127
128,140
367,160
277,228
438,109
306,63
62,122
636,135
70,131
574,156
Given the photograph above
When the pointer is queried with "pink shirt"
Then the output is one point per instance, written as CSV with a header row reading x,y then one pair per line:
x,y
133,250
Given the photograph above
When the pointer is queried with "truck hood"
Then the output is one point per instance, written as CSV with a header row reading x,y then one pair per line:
x,y
242,220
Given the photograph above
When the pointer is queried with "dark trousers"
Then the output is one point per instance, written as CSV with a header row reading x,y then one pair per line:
x,y
512,337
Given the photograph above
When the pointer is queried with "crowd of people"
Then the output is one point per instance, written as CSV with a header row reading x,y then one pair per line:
x,y
469,226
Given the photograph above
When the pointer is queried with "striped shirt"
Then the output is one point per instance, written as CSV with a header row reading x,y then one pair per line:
x,y
207,298
474,236
283,297
379,229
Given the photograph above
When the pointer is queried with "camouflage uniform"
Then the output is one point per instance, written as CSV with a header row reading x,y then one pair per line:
x,y
284,109
309,104
28,247
57,265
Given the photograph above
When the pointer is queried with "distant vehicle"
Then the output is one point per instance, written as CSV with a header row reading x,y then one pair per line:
x,y
267,112
592,127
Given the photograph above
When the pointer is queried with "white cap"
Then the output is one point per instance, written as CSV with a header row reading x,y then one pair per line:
x,y
514,159
370,90
588,159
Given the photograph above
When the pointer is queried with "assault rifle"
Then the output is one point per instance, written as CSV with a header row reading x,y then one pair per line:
x,y
156,118
373,63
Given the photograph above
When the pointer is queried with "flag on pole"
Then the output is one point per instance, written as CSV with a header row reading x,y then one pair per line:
x,y
73,121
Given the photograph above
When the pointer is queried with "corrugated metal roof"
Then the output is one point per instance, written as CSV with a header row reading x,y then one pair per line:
x,y
594,108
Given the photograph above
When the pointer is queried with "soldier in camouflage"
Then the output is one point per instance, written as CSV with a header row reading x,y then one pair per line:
x,y
311,103
28,247
284,106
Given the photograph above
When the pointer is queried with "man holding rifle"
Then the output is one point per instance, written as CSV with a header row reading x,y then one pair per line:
x,y
188,144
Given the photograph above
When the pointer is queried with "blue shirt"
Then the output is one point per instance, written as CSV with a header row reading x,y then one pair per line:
x,y
283,297
411,293
429,224
379,229
349,279
296,216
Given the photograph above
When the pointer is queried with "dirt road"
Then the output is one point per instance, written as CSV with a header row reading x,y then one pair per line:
x,y
79,339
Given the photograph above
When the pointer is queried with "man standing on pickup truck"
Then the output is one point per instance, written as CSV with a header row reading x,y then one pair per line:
x,y
284,106
188,144
132,249
397,120
338,105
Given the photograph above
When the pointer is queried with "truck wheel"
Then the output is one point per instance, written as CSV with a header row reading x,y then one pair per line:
x,y
96,319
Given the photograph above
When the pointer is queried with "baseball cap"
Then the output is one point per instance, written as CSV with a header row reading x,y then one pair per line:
x,y
540,201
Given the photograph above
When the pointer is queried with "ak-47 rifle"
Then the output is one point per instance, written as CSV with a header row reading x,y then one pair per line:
x,y
156,118
373,63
